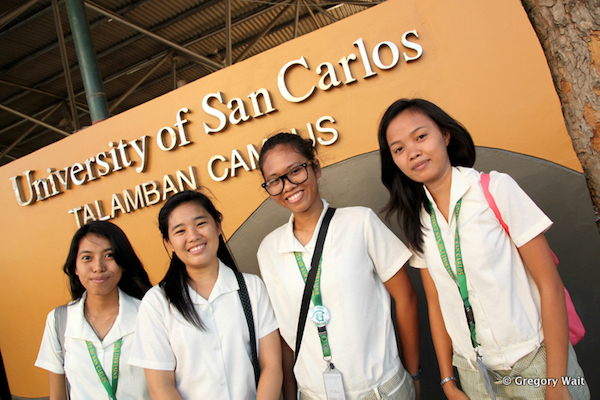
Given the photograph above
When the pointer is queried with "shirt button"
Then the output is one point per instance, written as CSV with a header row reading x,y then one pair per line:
x,y
223,383
217,348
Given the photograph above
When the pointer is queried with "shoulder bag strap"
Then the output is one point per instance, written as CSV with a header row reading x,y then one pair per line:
x,y
485,184
310,280
247,306
576,328
60,324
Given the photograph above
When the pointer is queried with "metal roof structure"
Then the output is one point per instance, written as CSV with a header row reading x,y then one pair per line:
x,y
145,48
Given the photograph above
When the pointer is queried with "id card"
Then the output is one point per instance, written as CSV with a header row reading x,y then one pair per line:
x,y
334,385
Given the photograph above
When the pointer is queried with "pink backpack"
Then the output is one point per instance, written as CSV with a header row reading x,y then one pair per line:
x,y
576,329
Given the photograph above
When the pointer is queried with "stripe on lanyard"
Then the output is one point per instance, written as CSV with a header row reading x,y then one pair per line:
x,y
111,390
461,278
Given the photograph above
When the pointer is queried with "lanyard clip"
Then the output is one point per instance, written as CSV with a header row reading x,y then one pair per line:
x,y
478,354
470,317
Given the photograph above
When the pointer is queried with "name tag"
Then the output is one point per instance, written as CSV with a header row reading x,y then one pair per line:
x,y
334,385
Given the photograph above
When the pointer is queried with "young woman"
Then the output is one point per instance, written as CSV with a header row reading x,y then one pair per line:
x,y
483,309
361,265
107,281
193,339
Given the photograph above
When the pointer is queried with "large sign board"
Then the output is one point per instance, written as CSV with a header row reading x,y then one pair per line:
x,y
481,61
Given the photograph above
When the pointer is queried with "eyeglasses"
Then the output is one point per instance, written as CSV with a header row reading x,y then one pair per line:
x,y
296,176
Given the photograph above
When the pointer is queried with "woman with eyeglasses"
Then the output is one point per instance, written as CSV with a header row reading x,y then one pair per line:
x,y
349,347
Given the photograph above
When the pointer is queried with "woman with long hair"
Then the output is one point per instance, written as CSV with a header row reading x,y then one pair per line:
x,y
195,337
487,317
350,335
91,344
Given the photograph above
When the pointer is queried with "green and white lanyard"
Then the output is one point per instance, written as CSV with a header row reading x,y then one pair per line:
x,y
319,314
460,279
110,389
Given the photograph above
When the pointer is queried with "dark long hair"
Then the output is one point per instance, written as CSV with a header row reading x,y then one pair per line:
x,y
407,197
134,279
302,146
175,282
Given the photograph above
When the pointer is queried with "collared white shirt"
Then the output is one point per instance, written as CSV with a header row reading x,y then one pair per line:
x,y
360,253
78,366
210,364
505,302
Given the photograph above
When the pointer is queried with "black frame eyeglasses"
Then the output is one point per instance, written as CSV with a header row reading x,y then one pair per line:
x,y
272,185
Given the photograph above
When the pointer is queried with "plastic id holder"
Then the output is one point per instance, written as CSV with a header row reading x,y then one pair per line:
x,y
334,385
485,377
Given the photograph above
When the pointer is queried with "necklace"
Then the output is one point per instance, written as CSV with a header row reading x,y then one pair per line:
x,y
89,320
297,236
300,240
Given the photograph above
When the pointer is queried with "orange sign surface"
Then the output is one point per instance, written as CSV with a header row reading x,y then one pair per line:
x,y
480,61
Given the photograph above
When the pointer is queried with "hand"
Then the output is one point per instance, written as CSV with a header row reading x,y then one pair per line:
x,y
454,393
560,392
417,389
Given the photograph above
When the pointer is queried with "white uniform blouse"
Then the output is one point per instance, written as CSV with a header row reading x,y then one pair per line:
x,y
210,364
78,366
360,253
505,303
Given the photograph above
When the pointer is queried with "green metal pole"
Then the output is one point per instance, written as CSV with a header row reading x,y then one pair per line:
x,y
92,81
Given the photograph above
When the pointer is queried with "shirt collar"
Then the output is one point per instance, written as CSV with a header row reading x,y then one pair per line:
x,y
125,323
289,243
79,328
459,186
226,283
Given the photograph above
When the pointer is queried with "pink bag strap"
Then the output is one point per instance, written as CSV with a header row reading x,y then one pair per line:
x,y
576,328
485,185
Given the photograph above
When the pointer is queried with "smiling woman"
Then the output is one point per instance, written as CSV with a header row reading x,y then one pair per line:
x,y
107,281
97,269
193,343
498,302
194,237
361,265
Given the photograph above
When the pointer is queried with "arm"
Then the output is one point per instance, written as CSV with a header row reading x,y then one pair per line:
x,y
407,317
271,375
538,260
51,358
441,341
290,388
161,384
57,386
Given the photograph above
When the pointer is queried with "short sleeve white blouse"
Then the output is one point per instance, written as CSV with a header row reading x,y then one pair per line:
x,y
504,300
78,366
210,364
360,253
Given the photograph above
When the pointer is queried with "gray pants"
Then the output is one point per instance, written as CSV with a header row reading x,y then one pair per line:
x,y
526,379
398,387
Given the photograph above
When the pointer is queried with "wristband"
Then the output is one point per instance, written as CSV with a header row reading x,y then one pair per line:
x,y
446,380
418,375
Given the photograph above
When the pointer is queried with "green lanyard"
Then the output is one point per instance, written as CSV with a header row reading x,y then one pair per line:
x,y
111,390
460,279
316,299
